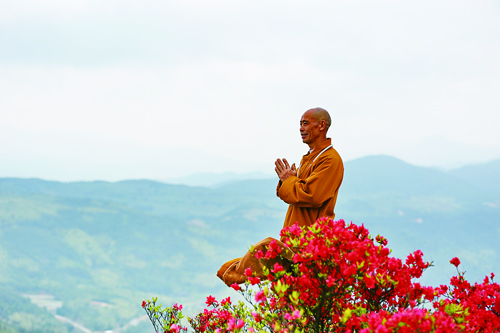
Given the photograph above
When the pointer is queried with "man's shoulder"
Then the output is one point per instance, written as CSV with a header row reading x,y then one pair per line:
x,y
332,154
330,160
327,151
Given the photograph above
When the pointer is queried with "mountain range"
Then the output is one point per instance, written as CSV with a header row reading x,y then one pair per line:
x,y
94,250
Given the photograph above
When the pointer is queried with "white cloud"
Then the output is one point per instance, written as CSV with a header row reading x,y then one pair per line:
x,y
232,78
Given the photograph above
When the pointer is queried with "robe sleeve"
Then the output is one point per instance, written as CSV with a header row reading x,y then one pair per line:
x,y
278,188
318,187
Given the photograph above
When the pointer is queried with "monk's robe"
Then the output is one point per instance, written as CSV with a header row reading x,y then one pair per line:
x,y
233,271
311,194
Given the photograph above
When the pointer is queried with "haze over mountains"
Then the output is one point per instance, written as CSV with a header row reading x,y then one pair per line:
x,y
210,179
90,156
99,248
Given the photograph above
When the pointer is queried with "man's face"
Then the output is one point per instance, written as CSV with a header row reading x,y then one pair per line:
x,y
309,128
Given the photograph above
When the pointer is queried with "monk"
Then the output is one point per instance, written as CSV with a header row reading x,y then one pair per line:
x,y
310,190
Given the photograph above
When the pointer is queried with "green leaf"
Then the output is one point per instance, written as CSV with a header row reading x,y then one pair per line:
x,y
346,316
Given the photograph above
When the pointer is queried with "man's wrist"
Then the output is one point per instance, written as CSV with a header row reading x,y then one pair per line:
x,y
283,178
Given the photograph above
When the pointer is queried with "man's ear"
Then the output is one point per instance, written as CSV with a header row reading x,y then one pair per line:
x,y
322,125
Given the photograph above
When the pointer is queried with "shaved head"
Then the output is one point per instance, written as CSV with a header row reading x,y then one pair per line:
x,y
321,114
314,126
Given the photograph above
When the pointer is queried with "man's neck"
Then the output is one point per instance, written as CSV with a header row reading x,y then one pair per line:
x,y
317,143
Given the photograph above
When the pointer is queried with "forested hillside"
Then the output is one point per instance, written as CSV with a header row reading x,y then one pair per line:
x,y
99,248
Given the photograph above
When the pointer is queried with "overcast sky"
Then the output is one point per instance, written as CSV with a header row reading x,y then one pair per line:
x,y
159,89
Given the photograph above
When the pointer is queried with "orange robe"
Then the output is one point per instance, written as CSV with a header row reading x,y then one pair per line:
x,y
310,195
313,193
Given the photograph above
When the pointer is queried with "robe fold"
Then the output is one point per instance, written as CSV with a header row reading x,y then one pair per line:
x,y
233,271
311,194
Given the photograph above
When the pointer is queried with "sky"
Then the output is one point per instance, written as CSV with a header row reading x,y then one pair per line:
x,y
112,90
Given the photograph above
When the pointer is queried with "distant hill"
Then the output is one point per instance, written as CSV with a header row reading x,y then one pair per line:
x,y
210,179
422,208
101,247
376,174
485,176
118,243
18,314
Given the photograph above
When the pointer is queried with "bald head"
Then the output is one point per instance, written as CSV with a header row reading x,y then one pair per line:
x,y
314,125
320,114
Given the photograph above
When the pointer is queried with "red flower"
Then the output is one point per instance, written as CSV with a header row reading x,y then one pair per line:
x,y
351,270
259,254
211,300
381,240
254,280
144,303
369,281
260,296
256,316
248,271
240,324
342,268
455,261
175,328
277,268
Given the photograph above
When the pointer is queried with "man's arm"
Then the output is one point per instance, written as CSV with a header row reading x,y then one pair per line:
x,y
315,189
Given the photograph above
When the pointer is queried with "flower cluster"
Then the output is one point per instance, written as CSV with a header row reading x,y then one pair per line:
x,y
215,316
478,304
339,274
409,321
164,320
343,280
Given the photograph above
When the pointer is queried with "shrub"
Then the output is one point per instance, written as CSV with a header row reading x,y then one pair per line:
x,y
342,280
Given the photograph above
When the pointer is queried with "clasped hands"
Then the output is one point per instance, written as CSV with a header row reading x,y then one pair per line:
x,y
284,170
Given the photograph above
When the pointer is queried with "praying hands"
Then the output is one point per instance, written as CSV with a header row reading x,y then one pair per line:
x,y
283,169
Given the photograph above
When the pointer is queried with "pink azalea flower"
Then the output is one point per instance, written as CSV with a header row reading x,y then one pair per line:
x,y
260,296
174,328
240,324
248,271
231,324
254,280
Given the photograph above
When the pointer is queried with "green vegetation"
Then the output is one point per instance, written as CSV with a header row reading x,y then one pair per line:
x,y
100,248
18,314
